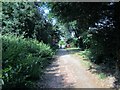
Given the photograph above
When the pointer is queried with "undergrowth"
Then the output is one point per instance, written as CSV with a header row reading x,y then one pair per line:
x,y
23,61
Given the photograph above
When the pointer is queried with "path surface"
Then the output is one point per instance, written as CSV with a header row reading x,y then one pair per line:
x,y
67,72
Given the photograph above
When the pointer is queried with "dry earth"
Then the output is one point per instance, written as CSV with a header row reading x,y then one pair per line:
x,y
68,72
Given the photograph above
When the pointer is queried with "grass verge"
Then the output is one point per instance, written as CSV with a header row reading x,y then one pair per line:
x,y
96,69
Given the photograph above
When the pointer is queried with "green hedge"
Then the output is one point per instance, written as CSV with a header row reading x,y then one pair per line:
x,y
23,61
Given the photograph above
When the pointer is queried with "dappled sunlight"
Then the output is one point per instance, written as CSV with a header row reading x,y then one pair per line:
x,y
55,77
41,42
65,56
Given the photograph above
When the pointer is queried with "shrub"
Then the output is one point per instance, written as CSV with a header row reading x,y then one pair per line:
x,y
23,60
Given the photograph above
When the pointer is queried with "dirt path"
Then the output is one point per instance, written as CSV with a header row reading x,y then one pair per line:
x,y
67,72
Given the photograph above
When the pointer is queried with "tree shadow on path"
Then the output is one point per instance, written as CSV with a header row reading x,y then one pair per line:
x,y
52,77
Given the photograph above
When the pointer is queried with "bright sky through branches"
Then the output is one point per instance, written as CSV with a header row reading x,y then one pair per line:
x,y
45,11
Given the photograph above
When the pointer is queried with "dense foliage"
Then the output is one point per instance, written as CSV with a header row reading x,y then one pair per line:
x,y
23,60
27,19
96,29
24,54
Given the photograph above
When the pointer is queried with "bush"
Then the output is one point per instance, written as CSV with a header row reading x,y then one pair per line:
x,y
23,60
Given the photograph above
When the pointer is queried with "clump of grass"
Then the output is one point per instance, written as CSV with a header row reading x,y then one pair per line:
x,y
102,76
87,62
85,54
85,59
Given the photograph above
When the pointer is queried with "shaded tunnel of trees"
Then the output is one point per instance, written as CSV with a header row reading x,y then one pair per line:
x,y
26,27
